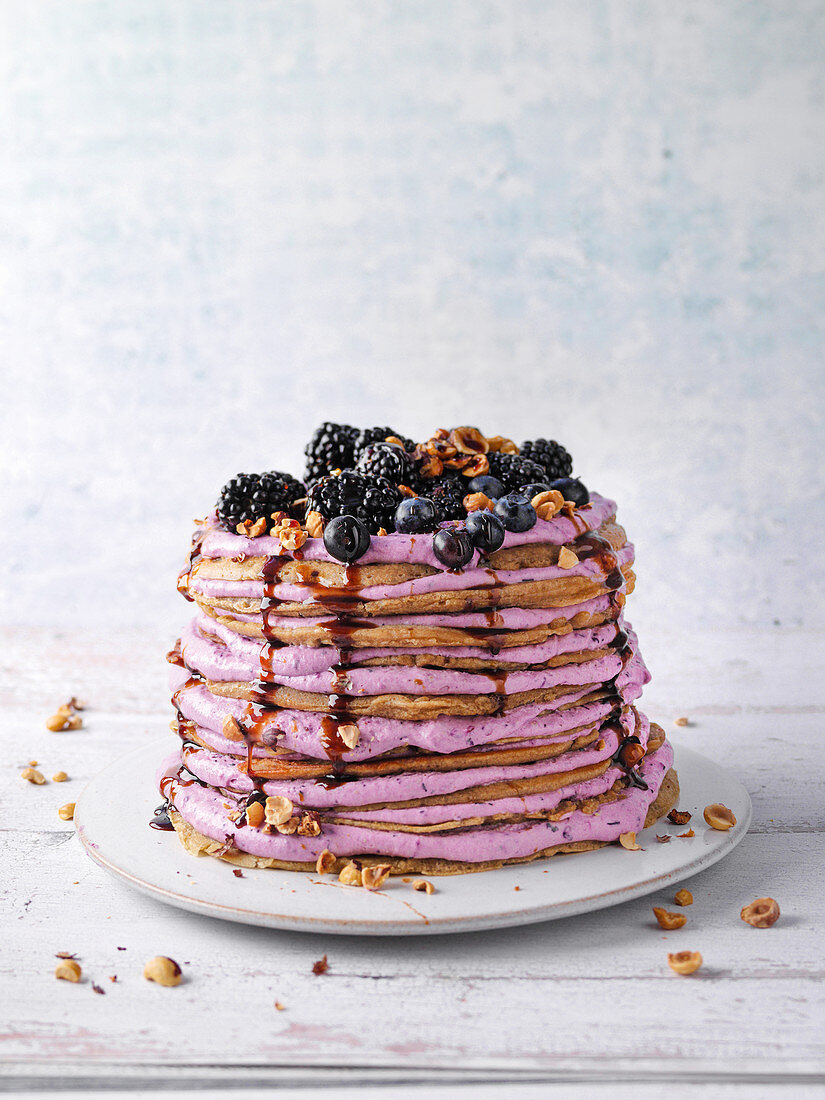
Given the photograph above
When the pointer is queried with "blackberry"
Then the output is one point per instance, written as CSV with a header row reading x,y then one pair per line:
x,y
550,455
332,447
366,436
514,470
447,495
252,496
370,499
386,460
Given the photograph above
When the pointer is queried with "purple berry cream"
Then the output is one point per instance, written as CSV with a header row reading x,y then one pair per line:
x,y
416,658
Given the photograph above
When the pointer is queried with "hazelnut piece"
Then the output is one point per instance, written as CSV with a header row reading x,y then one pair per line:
x,y
278,809
475,502
668,921
683,897
33,776
315,525
501,444
66,813
374,876
719,817
325,862
679,817
349,734
423,884
231,729
254,814
309,825
68,970
761,913
685,962
628,841
59,777
163,970
567,558
350,874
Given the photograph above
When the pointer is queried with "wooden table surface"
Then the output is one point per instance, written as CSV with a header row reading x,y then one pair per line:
x,y
588,1001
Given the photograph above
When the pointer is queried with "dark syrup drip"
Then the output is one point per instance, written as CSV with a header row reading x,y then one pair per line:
x,y
595,547
625,753
161,819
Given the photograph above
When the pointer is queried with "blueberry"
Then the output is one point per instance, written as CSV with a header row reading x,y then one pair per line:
x,y
516,512
571,489
453,547
486,531
346,538
490,486
534,488
414,515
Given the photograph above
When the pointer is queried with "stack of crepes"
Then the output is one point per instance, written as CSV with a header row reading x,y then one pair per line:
x,y
395,711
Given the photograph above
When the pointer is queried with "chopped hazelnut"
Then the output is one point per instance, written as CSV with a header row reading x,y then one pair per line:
x,y
33,776
469,441
567,558
475,466
350,875
292,538
254,814
278,809
258,528
679,817
288,828
309,825
321,966
628,840
680,722
66,813
77,704
663,838
423,884
719,817
325,862
548,503
315,525
475,502
68,970
349,734
59,777
163,970
685,962
501,444
668,921
683,897
231,729
685,836
761,913
75,722
279,1007
56,722
374,876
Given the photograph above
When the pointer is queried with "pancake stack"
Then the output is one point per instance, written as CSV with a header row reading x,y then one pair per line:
x,y
393,710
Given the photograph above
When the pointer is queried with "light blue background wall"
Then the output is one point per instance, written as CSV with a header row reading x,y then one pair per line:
x,y
221,222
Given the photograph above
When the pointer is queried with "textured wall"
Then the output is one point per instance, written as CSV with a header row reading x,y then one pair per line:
x,y
221,222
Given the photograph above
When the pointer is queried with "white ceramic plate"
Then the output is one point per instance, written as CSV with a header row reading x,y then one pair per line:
x,y
112,818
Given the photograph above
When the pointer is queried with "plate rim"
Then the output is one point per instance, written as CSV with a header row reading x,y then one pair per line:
x,y
423,925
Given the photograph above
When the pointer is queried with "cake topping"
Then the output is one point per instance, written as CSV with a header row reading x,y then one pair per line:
x,y
370,499
346,538
516,512
332,447
255,497
550,455
453,547
415,515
